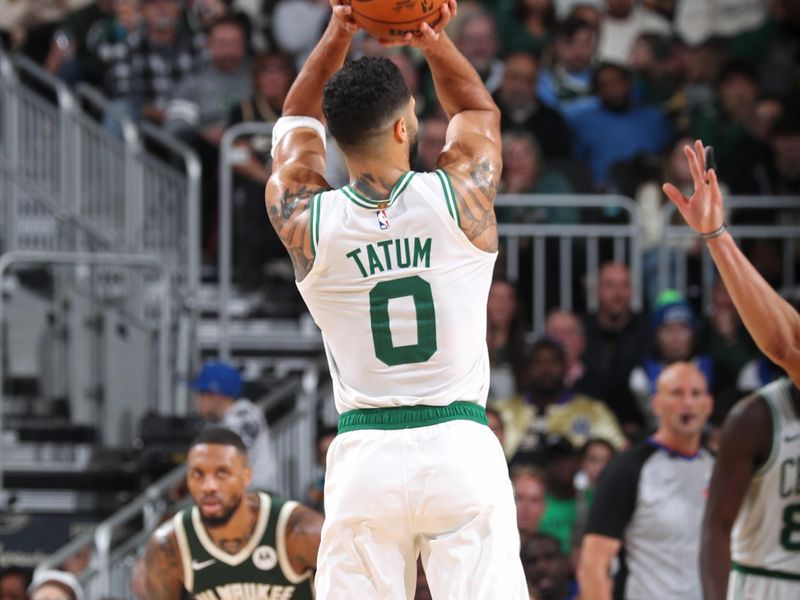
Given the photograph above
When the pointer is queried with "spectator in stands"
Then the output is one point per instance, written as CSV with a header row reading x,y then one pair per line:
x,y
496,425
476,38
623,23
55,585
143,68
634,129
565,328
567,84
525,173
29,26
545,406
520,109
530,489
547,570
203,101
594,456
201,104
14,583
722,336
432,137
780,176
218,401
526,25
273,74
672,323
297,24
560,516
650,499
615,340
74,49
504,336
726,124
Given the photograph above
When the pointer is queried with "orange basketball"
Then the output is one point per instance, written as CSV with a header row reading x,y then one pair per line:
x,y
392,19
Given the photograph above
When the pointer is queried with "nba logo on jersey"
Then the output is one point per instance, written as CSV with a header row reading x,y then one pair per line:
x,y
383,220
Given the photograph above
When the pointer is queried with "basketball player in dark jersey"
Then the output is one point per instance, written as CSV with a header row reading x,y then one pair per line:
x,y
232,544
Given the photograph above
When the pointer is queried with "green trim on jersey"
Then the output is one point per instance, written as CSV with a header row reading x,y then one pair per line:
x,y
740,568
776,435
449,195
313,219
410,417
361,200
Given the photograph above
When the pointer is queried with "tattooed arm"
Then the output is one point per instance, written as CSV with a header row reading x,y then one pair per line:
x,y
472,152
162,563
299,164
302,538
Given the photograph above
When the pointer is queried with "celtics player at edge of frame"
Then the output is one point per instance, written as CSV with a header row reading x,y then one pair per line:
x,y
231,544
750,546
395,268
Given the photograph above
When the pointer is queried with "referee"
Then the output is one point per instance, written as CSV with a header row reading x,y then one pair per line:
x,y
650,500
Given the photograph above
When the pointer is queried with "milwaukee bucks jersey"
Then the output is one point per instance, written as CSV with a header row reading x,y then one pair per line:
x,y
400,294
766,534
259,571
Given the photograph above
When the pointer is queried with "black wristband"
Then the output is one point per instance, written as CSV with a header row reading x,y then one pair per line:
x,y
716,233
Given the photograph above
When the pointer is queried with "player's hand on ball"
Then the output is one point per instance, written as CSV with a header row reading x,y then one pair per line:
x,y
703,211
343,16
427,36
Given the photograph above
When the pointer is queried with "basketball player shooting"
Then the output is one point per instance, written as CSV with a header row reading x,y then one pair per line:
x,y
751,529
395,269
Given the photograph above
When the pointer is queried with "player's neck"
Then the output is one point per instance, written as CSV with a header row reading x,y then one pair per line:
x,y
375,179
685,444
235,534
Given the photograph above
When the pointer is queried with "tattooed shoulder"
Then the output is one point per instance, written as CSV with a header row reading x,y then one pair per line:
x,y
164,574
302,539
475,189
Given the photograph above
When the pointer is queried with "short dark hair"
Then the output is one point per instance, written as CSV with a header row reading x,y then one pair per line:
x,y
227,19
549,345
360,99
219,436
609,66
737,68
26,575
572,25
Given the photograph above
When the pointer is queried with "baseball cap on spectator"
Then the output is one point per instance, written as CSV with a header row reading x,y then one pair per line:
x,y
670,307
62,578
219,378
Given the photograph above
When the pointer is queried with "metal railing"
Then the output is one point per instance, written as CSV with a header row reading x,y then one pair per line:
x,y
678,243
523,243
114,554
229,157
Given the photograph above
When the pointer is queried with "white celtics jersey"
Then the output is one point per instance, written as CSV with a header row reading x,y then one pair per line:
x,y
400,295
766,534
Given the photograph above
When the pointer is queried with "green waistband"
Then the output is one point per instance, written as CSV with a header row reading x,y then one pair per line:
x,y
764,572
409,417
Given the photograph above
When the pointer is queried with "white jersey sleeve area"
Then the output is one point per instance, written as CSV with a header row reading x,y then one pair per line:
x,y
400,294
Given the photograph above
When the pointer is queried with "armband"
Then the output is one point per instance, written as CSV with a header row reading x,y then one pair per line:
x,y
286,124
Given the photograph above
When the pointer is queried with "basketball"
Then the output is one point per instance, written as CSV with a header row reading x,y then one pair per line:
x,y
393,19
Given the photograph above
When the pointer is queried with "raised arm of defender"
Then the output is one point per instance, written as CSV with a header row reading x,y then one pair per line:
x,y
298,167
773,323
472,154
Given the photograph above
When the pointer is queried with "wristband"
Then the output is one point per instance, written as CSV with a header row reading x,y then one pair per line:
x,y
716,233
286,124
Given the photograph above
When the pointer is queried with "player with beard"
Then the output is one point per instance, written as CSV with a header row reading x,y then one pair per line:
x,y
231,544
395,269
